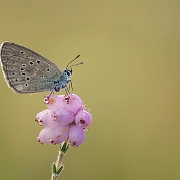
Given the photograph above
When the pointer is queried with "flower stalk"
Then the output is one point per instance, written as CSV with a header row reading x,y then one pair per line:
x,y
58,166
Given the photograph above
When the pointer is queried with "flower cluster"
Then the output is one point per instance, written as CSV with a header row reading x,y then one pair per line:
x,y
64,120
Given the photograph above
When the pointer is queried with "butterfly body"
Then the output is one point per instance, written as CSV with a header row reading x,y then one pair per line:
x,y
26,71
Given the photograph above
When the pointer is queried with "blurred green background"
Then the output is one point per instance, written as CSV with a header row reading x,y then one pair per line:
x,y
130,81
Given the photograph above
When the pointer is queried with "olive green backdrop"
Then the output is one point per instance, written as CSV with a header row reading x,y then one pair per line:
x,y
130,81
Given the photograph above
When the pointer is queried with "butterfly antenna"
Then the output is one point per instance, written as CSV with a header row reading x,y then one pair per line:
x,y
72,61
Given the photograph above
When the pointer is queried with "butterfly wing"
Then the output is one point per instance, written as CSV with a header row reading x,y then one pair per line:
x,y
26,71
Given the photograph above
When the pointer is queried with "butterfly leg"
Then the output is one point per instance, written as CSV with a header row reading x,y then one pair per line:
x,y
70,84
52,92
67,90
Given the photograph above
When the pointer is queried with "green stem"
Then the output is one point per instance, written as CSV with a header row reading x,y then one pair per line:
x,y
58,165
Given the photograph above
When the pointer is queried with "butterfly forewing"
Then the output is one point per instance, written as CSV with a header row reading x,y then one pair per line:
x,y
26,71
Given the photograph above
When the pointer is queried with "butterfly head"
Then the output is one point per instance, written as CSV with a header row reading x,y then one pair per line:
x,y
68,72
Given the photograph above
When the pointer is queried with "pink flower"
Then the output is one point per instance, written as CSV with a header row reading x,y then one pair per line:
x,y
60,134
83,118
64,120
76,135
47,118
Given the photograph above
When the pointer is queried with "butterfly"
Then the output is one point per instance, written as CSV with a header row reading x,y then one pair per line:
x,y
25,71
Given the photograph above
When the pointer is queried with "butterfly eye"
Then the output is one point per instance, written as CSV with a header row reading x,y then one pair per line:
x,y
68,72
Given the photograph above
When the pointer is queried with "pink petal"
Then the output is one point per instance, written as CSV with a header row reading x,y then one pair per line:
x,y
60,134
64,116
54,102
39,115
49,119
73,103
76,135
45,135
83,118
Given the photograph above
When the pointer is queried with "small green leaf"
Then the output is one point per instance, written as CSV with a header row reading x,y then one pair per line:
x,y
64,147
67,147
54,168
60,169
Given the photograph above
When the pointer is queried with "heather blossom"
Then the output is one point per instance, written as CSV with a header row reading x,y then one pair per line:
x,y
65,120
